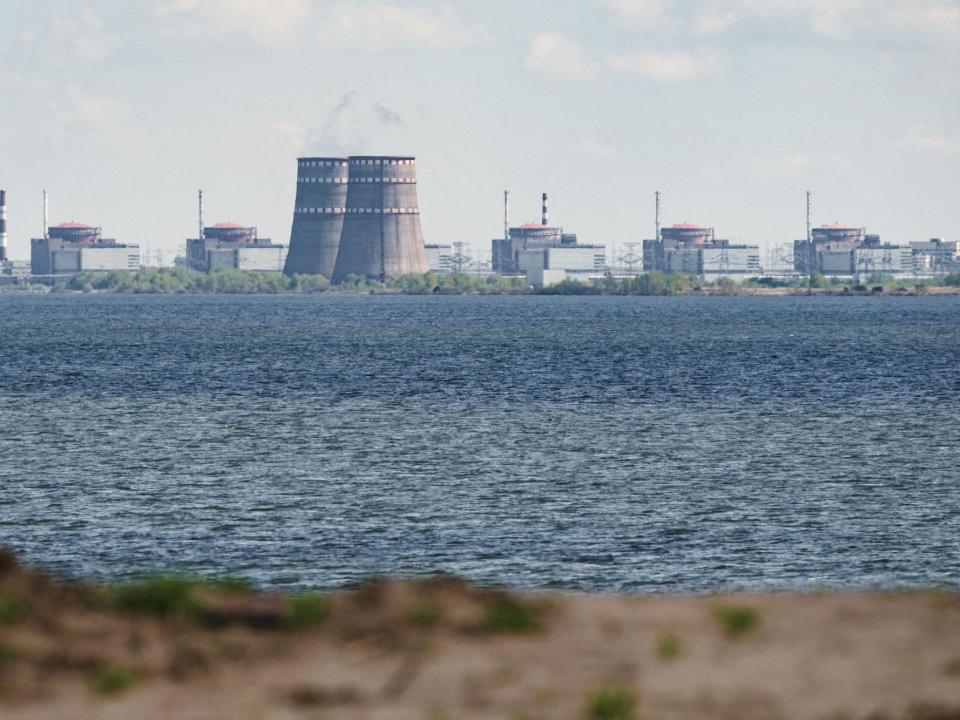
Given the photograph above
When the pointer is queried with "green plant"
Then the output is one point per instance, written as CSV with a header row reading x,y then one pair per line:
x,y
12,609
611,704
112,679
9,653
307,610
509,615
737,620
161,596
668,647
423,614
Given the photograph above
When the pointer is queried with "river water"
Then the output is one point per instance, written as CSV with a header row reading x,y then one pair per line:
x,y
590,443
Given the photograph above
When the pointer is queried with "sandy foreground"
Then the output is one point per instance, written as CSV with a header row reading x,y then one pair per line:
x,y
444,650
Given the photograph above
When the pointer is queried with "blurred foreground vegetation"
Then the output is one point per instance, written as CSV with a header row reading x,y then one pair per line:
x,y
231,281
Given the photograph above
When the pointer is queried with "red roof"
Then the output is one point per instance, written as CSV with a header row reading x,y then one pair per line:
x,y
533,226
687,226
837,226
230,226
74,226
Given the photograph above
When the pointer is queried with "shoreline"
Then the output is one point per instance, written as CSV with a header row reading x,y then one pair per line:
x,y
442,648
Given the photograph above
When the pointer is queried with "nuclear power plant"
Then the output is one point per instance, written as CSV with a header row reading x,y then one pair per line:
x,y
317,216
357,216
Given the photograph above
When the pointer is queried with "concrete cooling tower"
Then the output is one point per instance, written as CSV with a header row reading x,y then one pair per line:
x,y
381,237
317,216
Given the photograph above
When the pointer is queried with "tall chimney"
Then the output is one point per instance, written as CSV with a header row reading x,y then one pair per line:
x,y
200,213
545,220
3,225
506,214
809,203
46,223
657,237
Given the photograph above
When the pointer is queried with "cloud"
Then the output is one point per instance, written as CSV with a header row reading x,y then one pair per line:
x,y
640,12
558,56
276,22
384,27
71,39
666,67
348,128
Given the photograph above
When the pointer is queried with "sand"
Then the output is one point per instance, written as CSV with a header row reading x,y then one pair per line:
x,y
444,650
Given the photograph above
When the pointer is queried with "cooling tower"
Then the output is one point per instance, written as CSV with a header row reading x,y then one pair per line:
x,y
381,235
317,216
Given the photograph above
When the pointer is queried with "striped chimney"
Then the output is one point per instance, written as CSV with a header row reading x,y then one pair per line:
x,y
546,216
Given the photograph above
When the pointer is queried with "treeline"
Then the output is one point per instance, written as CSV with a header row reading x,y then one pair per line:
x,y
241,282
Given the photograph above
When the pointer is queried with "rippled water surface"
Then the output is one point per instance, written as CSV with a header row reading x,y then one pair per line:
x,y
603,444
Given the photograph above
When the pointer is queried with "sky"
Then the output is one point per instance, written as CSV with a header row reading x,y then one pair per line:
x,y
732,109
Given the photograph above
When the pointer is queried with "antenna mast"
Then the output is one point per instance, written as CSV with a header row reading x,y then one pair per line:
x,y
809,204
46,224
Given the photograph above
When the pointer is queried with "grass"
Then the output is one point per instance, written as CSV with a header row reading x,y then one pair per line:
x,y
737,620
507,615
169,596
423,615
611,705
112,680
12,609
9,653
307,610
668,647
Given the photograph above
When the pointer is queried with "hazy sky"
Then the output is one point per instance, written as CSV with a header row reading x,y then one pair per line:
x,y
732,108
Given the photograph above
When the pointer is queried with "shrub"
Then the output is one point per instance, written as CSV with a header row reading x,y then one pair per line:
x,y
611,705
161,596
668,647
12,609
307,610
737,620
508,615
112,679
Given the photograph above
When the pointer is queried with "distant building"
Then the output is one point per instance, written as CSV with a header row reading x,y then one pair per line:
x,y
936,257
695,250
229,245
844,251
545,253
440,258
73,247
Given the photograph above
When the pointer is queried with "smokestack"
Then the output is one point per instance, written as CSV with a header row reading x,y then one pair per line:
x,y
200,213
506,214
545,219
657,236
46,224
809,202
3,225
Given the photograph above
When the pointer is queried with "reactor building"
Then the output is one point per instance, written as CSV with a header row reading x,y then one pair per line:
x,y
544,252
695,250
357,216
231,245
73,247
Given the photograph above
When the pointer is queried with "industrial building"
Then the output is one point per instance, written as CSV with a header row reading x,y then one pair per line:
x,y
695,250
318,214
230,245
440,258
844,251
382,237
544,252
73,247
